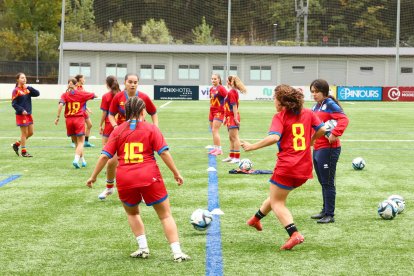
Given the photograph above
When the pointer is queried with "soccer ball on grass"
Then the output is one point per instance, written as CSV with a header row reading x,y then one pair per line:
x,y
245,164
201,219
399,201
387,209
358,163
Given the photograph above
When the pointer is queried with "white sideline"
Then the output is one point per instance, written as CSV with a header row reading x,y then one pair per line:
x,y
164,105
197,138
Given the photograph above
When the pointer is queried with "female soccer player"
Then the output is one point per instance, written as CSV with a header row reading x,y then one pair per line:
x,y
117,108
79,86
295,129
138,176
22,103
216,116
232,117
75,104
326,151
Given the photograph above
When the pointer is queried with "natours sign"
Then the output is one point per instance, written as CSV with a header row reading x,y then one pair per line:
x,y
359,93
401,94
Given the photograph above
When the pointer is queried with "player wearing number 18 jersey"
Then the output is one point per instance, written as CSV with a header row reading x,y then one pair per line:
x,y
294,129
75,104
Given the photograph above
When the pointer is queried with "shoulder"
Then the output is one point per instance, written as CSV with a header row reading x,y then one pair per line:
x,y
142,95
332,106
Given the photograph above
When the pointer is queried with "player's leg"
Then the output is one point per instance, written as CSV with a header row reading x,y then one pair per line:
x,y
318,166
137,227
110,177
254,221
278,198
163,211
88,124
24,132
216,137
79,140
235,144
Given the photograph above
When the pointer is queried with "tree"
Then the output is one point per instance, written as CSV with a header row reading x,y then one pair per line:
x,y
156,32
121,33
202,34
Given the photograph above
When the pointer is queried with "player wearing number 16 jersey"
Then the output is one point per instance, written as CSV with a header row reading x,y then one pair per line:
x,y
75,104
294,129
138,176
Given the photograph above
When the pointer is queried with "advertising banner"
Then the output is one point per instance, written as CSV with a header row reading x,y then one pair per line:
x,y
359,93
175,92
400,94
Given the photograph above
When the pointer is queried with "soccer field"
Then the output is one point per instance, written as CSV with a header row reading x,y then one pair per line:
x,y
51,223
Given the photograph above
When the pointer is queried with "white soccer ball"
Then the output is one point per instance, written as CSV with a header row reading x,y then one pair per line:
x,y
329,126
399,200
245,164
358,163
201,219
387,209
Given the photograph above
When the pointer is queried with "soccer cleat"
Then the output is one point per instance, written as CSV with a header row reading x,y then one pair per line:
x,y
107,192
88,145
318,216
26,154
228,159
141,253
235,161
84,164
75,164
254,222
294,240
180,257
15,148
211,151
326,219
217,152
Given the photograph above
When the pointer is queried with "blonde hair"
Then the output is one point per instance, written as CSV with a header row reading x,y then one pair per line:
x,y
237,83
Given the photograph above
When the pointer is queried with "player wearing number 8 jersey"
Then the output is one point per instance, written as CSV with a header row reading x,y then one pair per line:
x,y
138,176
75,104
295,129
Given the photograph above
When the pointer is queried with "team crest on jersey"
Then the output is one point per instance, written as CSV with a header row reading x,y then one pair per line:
x,y
323,107
122,103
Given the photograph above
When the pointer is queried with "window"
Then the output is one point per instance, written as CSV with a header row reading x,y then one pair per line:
x,y
218,69
80,68
406,70
149,72
260,73
115,69
188,72
298,69
366,68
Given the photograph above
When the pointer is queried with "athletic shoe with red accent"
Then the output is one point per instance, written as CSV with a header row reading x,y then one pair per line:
x,y
254,222
26,154
227,159
294,240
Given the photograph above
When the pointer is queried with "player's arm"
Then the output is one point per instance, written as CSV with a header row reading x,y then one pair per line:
x,y
235,112
33,92
268,141
168,160
317,134
112,120
98,168
60,106
154,118
102,122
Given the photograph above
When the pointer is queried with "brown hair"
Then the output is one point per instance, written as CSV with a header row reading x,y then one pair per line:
x,y
78,77
131,74
133,107
112,83
237,83
290,98
72,80
17,77
322,86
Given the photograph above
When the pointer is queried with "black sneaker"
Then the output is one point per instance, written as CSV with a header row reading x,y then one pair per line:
x,y
26,154
326,219
318,216
15,148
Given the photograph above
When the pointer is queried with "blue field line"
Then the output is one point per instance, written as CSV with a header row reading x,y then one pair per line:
x,y
9,179
214,258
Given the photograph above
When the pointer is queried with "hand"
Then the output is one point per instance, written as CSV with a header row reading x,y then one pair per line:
x,y
88,110
237,122
179,179
332,138
246,146
56,121
90,181
101,130
24,112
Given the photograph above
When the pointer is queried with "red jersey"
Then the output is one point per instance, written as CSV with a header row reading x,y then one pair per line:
x,y
118,105
295,132
217,96
75,102
106,103
135,149
231,100
326,111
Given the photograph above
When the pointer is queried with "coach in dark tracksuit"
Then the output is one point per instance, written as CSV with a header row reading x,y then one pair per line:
x,y
327,149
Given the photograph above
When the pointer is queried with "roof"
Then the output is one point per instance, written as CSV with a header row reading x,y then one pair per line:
x,y
222,49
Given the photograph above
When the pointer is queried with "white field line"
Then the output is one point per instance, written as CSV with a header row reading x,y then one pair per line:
x,y
164,105
201,138
5,101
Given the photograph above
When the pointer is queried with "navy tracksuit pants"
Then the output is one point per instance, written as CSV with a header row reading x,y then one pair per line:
x,y
324,162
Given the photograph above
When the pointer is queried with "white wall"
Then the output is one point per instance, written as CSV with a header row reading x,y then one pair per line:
x,y
54,91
